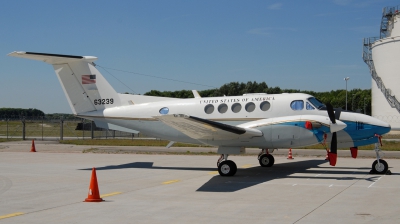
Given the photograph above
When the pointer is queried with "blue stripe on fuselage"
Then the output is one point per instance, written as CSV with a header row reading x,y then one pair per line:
x,y
359,131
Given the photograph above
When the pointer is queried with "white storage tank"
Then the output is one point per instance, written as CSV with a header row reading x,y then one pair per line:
x,y
382,54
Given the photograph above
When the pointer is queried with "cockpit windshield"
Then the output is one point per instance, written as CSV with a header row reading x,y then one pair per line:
x,y
316,103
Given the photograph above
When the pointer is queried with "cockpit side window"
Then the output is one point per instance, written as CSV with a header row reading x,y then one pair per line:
x,y
316,103
309,107
297,105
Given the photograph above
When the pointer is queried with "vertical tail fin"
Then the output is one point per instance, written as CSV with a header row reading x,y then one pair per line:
x,y
84,86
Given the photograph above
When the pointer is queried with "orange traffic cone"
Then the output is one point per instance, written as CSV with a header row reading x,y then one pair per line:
x,y
94,193
290,154
33,149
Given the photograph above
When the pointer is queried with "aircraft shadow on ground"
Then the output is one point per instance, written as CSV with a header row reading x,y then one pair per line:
x,y
148,165
249,177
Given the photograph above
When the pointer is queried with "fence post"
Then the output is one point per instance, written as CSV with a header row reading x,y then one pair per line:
x,y
92,129
61,128
83,128
113,133
42,126
7,126
23,128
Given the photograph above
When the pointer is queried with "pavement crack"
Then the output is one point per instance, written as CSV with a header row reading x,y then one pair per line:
x,y
328,200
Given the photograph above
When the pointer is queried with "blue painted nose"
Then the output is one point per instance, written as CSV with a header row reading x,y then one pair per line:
x,y
381,130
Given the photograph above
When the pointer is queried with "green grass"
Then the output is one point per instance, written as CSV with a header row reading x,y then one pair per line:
x,y
37,128
126,142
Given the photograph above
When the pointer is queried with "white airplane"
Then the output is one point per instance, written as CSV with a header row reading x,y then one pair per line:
x,y
231,123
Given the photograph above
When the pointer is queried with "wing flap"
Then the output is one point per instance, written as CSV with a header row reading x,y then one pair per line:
x,y
203,129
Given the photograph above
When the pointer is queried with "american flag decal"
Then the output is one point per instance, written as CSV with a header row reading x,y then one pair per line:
x,y
88,79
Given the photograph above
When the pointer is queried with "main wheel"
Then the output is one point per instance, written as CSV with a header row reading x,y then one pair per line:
x,y
266,160
227,168
380,168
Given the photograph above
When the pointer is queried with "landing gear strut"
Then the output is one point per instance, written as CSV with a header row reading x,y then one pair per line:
x,y
265,159
226,167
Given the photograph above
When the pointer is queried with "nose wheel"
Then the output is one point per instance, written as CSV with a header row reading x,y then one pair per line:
x,y
379,166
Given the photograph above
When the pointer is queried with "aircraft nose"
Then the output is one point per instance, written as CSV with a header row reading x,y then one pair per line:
x,y
381,127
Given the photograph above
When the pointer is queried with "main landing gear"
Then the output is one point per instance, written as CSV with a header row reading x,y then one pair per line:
x,y
265,159
226,167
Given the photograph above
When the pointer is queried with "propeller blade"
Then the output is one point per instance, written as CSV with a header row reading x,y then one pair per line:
x,y
331,113
333,153
337,113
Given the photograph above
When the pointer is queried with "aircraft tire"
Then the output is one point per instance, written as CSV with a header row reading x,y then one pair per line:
x,y
266,160
380,169
227,168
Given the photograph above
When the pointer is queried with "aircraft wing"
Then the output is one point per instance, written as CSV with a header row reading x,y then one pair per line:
x,y
203,129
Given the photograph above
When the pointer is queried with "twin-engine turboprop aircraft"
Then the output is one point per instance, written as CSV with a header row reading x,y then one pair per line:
x,y
231,123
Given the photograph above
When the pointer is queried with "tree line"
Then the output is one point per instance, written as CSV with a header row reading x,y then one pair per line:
x,y
20,112
29,113
357,99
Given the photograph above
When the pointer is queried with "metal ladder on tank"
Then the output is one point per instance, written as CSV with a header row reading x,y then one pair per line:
x,y
367,57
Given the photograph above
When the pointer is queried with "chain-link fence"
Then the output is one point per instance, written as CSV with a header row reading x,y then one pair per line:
x,y
44,128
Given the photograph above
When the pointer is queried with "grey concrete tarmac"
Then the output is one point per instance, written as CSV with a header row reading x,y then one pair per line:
x,y
50,187
55,146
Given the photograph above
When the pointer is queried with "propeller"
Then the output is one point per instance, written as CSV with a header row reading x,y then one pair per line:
x,y
332,155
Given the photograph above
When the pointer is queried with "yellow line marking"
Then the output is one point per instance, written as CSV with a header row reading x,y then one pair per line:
x,y
11,215
246,166
170,182
110,194
213,172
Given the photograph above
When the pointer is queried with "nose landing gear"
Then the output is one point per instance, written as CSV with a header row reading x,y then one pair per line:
x,y
379,166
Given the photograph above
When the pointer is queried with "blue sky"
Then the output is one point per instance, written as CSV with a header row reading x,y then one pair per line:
x,y
306,45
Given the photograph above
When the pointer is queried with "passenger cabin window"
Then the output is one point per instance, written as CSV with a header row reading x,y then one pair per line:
x,y
222,108
250,107
164,110
309,107
209,108
236,107
297,105
264,106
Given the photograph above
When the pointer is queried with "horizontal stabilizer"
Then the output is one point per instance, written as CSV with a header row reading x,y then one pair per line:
x,y
105,125
203,129
51,58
